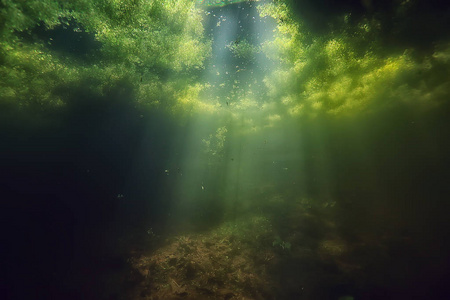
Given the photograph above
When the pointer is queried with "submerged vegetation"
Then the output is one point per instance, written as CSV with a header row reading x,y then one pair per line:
x,y
159,49
142,43
254,153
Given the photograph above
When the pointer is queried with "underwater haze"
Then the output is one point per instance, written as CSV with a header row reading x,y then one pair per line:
x,y
266,149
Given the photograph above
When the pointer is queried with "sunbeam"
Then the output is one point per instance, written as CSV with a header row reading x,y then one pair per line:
x,y
234,152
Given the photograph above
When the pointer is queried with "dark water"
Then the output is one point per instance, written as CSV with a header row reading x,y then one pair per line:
x,y
89,189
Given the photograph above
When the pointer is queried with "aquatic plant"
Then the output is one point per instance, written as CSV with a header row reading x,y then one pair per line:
x,y
141,42
159,49
243,49
278,242
214,144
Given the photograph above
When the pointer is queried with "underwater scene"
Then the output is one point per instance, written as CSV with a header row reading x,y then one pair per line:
x,y
187,149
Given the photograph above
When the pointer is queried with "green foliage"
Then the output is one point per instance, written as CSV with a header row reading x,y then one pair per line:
x,y
29,75
278,242
158,47
214,144
337,73
142,42
19,16
243,49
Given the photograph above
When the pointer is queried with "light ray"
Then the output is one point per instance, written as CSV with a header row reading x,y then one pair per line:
x,y
234,153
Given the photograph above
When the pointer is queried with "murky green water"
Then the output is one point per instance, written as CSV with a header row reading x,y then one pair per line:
x,y
225,149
